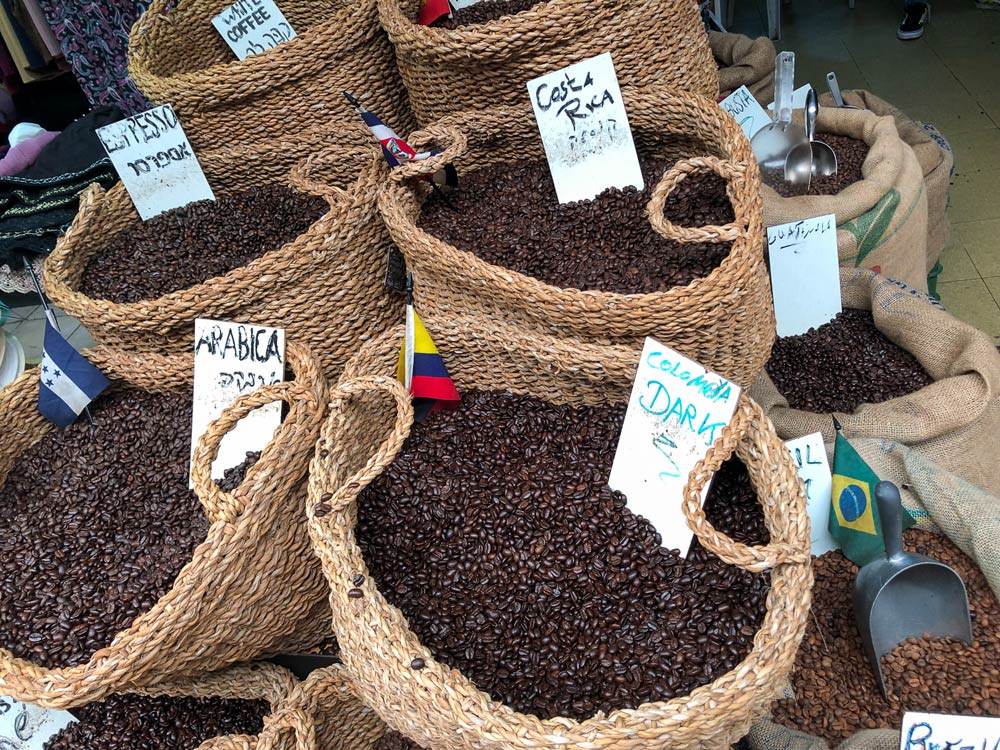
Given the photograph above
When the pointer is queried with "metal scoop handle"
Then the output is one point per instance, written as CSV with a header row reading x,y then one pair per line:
x,y
812,109
784,84
831,81
890,514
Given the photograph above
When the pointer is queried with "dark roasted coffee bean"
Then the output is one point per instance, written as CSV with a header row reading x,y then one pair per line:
x,y
851,154
508,215
97,523
128,722
186,246
843,364
488,10
836,693
495,533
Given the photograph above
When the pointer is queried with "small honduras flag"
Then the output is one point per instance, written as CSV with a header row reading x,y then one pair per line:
x,y
68,382
421,368
854,520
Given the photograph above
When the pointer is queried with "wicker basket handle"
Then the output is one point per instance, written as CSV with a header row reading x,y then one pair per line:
x,y
306,176
671,179
220,505
348,490
731,552
453,141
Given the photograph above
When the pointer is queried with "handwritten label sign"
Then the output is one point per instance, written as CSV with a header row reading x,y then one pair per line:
x,y
154,159
24,726
805,274
676,411
231,359
584,129
798,98
253,26
746,110
948,732
809,453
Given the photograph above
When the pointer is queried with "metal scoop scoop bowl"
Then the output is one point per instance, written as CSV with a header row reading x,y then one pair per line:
x,y
812,158
772,143
905,595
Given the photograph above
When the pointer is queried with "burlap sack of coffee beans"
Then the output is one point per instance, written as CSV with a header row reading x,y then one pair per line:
x,y
440,707
177,57
483,65
324,285
881,219
936,163
746,62
322,712
251,587
710,299
953,423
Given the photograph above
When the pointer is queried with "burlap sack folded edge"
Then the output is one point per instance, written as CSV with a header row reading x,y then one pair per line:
x,y
744,62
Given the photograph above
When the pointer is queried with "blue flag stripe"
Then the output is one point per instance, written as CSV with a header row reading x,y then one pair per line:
x,y
67,380
87,377
55,409
429,366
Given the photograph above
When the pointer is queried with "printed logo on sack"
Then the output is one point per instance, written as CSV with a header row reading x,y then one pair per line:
x,y
854,504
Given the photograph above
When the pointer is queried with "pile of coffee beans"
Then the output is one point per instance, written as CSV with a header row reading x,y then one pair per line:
x,y
186,246
843,364
128,722
393,740
496,534
508,215
97,523
836,693
851,154
488,10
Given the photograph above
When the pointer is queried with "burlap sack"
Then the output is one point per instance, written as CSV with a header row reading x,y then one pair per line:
x,y
325,287
440,708
936,162
954,422
320,713
746,62
252,587
881,220
966,514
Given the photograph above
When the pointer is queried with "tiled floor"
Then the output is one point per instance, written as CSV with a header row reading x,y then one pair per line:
x,y
951,78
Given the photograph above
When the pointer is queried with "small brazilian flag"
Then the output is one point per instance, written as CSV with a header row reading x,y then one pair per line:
x,y
854,520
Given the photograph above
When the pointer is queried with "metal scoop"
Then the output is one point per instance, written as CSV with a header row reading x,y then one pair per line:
x,y
905,595
834,86
772,143
813,158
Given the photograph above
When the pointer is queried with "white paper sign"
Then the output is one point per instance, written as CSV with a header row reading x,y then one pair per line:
x,y
584,128
805,274
676,411
253,26
155,161
231,359
948,732
798,98
24,726
746,110
809,454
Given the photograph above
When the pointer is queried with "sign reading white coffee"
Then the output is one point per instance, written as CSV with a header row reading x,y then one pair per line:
x,y
24,726
676,411
585,131
154,159
253,26
231,359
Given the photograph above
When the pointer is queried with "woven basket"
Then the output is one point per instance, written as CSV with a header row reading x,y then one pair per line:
x,y
724,320
488,65
177,57
320,713
251,588
325,288
437,706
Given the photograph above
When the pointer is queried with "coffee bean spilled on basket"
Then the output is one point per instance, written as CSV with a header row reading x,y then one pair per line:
x,y
495,532
186,246
836,693
508,215
851,154
97,524
843,364
131,722
488,10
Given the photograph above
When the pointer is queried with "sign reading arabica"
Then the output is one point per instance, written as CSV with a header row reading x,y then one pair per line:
x,y
253,26
24,726
584,129
676,411
155,162
231,359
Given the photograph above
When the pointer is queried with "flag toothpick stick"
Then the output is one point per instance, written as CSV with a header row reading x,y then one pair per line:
x,y
51,317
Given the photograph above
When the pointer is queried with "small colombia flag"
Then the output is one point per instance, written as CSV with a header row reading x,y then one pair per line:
x,y
421,369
